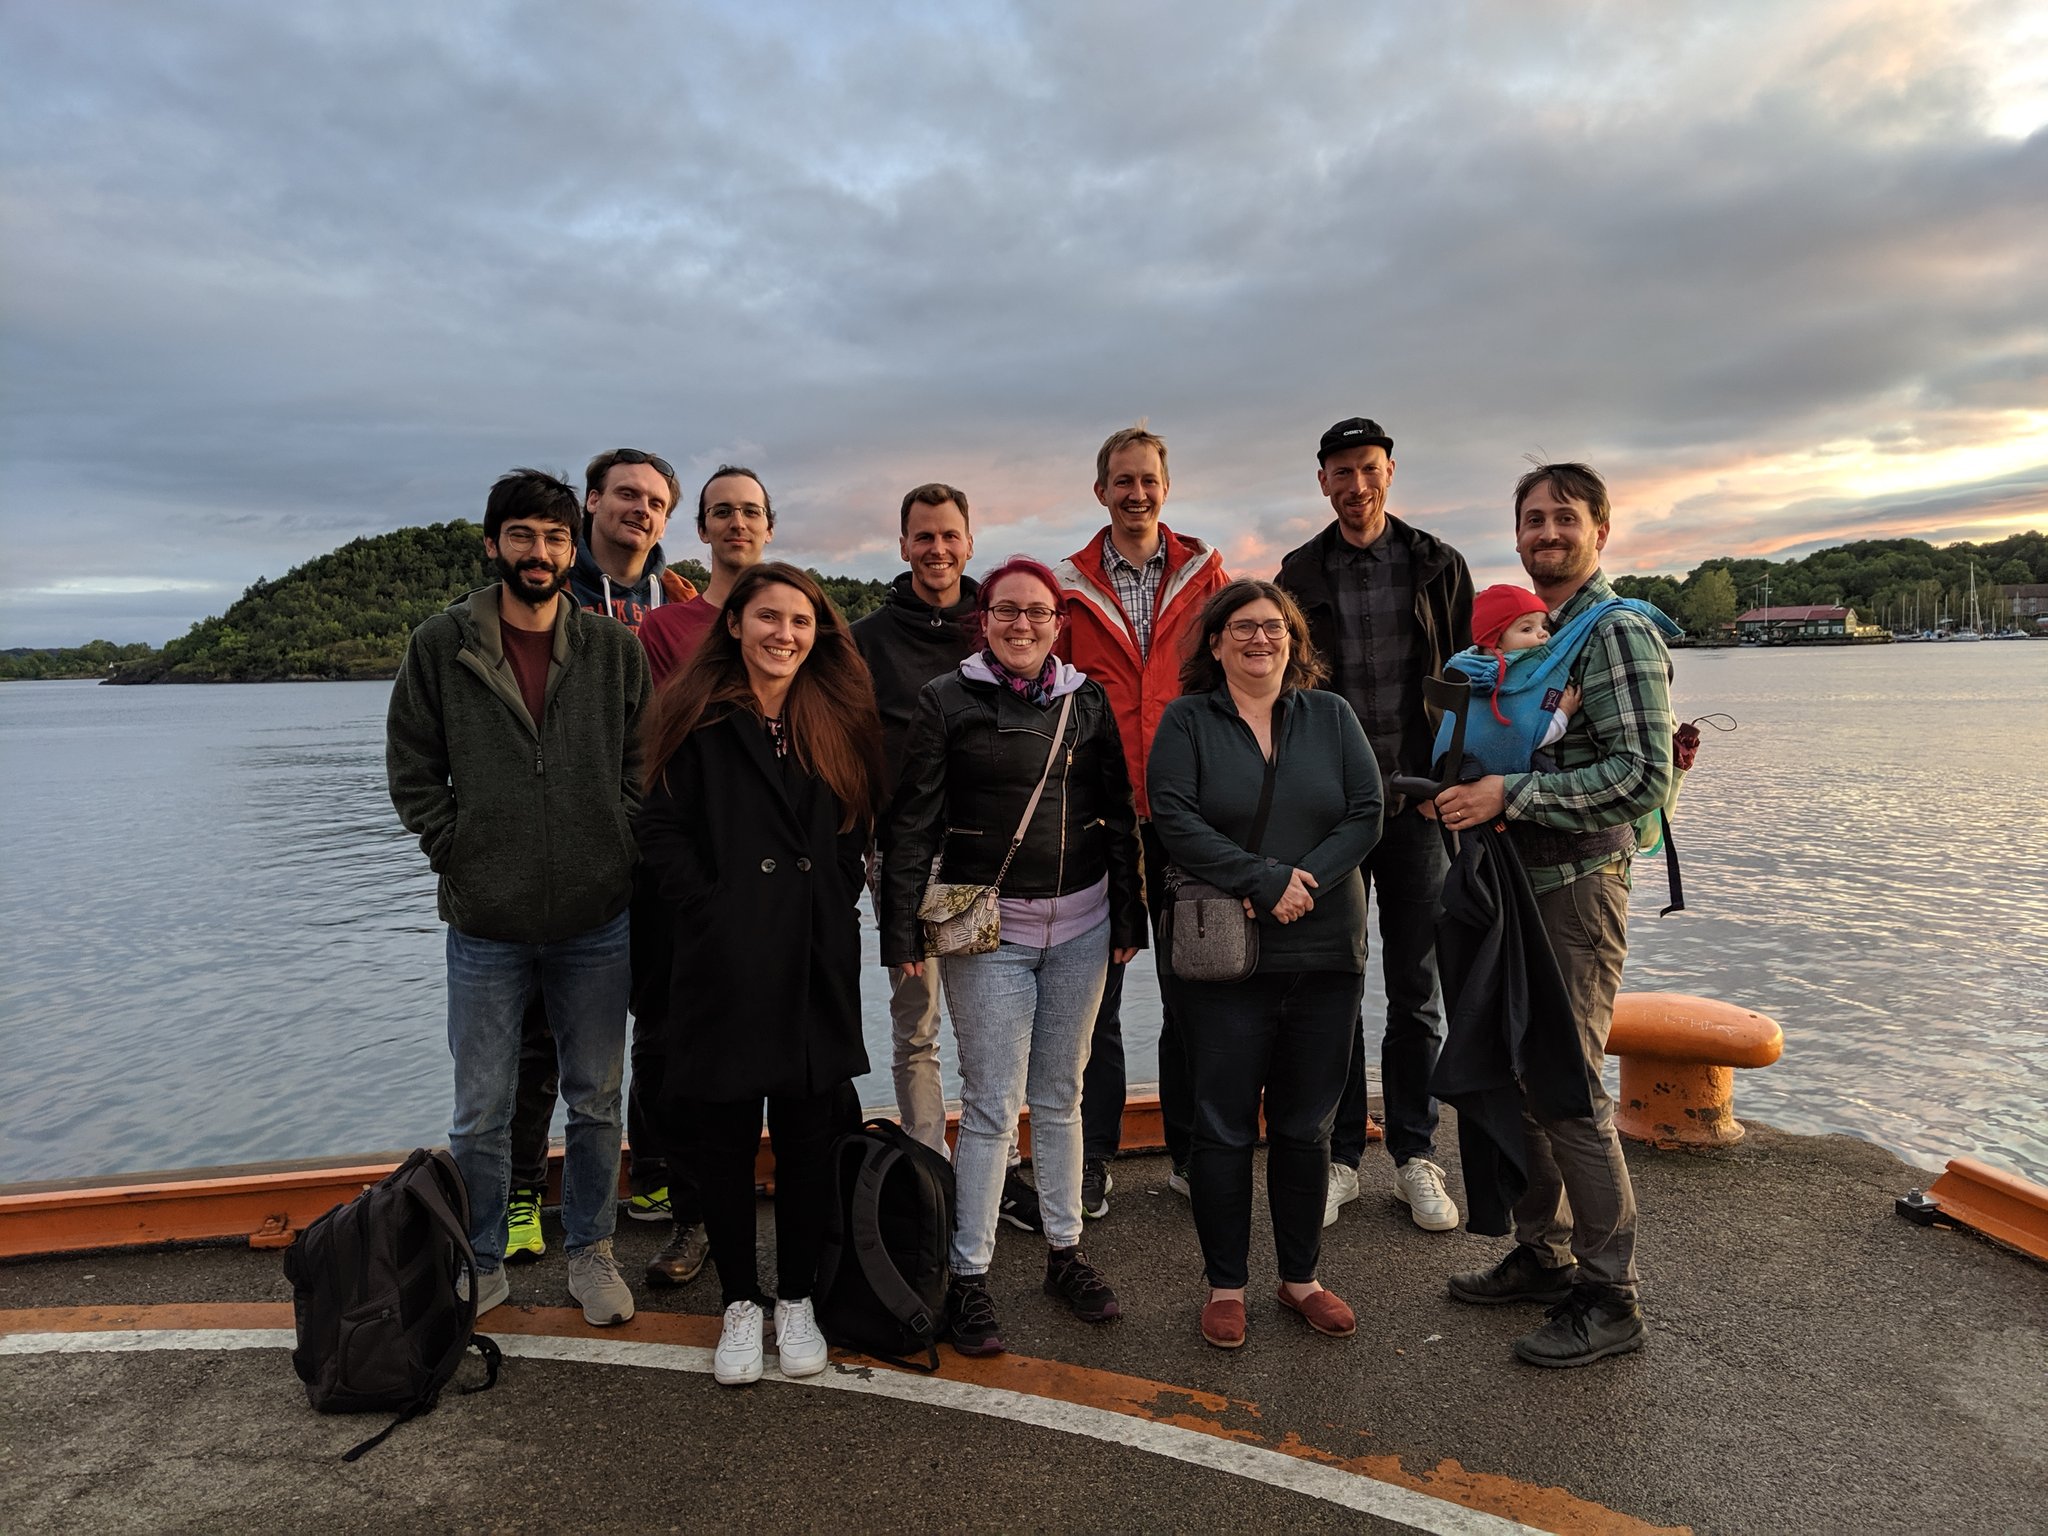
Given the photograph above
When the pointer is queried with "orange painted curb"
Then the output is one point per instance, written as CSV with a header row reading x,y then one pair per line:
x,y
1137,1397
2001,1205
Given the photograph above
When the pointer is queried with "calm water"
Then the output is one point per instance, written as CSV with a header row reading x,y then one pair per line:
x,y
220,947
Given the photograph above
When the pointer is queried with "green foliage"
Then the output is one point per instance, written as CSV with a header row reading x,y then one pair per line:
x,y
346,614
1708,602
1894,582
96,658
1663,591
854,598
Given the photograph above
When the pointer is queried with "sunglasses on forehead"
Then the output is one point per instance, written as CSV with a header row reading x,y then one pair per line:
x,y
653,461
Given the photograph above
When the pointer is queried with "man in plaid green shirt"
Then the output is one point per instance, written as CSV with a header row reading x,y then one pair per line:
x,y
1575,1225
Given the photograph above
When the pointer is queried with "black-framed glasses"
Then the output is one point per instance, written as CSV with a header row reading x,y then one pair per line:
x,y
653,461
1245,629
1009,613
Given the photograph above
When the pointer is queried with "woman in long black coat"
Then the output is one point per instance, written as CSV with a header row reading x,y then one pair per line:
x,y
763,763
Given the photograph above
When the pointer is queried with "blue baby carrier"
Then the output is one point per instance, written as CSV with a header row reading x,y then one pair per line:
x,y
1529,694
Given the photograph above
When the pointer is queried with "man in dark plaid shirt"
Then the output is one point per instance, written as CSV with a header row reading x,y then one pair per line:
x,y
1386,603
1575,1226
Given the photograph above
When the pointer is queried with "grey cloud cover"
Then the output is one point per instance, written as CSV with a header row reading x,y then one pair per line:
x,y
280,276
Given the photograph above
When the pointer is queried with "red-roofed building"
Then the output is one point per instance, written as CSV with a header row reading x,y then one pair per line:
x,y
1804,621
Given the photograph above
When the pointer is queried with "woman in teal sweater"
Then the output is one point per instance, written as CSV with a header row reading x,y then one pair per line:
x,y
1285,1032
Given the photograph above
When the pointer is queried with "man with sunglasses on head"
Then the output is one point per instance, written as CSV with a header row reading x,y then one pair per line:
x,y
512,752
620,571
1386,603
736,521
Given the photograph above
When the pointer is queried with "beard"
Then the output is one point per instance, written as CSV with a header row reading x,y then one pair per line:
x,y
1555,567
513,574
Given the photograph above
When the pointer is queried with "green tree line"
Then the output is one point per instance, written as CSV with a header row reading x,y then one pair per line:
x,y
96,658
1893,582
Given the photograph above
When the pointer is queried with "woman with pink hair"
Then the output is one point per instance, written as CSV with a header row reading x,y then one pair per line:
x,y
1014,776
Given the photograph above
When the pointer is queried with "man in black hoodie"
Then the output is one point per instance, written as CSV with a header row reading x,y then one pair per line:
x,y
921,632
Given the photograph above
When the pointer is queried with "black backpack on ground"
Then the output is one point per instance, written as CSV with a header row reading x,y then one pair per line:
x,y
381,1328
882,1274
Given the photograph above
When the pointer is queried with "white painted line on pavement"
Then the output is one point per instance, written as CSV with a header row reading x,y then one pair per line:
x,y
1332,1485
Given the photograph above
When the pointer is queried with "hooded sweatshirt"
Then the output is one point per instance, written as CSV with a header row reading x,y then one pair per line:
x,y
598,593
906,643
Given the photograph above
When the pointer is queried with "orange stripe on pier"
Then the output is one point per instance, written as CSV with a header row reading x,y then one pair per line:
x,y
1136,1397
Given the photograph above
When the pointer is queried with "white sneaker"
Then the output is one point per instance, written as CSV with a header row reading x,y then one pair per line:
x,y
1419,1185
738,1360
491,1289
1343,1190
799,1347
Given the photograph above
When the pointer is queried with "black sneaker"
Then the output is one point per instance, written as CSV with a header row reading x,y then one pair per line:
x,y
1590,1324
971,1317
1521,1276
1069,1275
1020,1203
1095,1187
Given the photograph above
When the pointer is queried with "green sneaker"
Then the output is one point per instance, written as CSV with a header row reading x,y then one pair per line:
x,y
652,1206
523,1242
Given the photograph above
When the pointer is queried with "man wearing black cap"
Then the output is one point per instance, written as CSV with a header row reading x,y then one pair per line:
x,y
1386,603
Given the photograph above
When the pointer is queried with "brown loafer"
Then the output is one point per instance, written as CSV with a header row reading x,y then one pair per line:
x,y
1223,1324
1323,1311
679,1262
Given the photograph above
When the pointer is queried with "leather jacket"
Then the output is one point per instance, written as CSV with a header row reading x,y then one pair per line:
x,y
974,754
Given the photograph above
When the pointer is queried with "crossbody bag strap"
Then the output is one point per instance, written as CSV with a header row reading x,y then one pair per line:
x,y
1059,735
1266,794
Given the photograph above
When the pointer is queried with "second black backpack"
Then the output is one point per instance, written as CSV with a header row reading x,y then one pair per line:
x,y
882,1275
381,1326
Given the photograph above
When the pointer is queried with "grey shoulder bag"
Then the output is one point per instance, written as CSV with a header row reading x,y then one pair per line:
x,y
1208,937
964,919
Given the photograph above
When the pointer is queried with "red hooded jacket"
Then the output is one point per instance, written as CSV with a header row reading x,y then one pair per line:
x,y
1100,641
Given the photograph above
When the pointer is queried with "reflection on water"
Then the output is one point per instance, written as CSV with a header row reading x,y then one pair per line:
x,y
221,946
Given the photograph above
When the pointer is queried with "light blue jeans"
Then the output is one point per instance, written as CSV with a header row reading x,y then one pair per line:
x,y
585,982
1022,1018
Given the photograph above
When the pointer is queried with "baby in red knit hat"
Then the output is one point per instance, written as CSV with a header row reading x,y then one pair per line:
x,y
1507,618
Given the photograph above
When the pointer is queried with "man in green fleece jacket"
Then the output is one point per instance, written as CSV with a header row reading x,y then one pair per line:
x,y
511,749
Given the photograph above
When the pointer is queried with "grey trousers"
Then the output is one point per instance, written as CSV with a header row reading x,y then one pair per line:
x,y
914,1026
1580,1203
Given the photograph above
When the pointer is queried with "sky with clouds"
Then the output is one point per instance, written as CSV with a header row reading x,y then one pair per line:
x,y
276,276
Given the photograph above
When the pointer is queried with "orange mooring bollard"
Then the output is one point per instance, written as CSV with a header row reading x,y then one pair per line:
x,y
1678,1056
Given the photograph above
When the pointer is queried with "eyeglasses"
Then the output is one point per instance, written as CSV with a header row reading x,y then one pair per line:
x,y
723,509
654,462
1245,629
1009,613
522,539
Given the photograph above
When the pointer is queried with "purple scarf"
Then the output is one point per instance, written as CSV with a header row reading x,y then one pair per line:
x,y
1035,690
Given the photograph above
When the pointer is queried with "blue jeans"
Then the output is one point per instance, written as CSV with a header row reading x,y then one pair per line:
x,y
1022,1018
1406,871
585,982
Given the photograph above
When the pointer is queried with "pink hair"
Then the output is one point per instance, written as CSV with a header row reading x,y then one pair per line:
x,y
1016,565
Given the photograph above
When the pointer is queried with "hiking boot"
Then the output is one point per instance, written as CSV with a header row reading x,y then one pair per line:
x,y
799,1347
1324,1311
738,1358
1521,1276
1419,1185
680,1260
1095,1187
1342,1191
595,1281
523,1242
652,1206
1177,1181
971,1316
1019,1205
492,1288
1069,1275
1590,1324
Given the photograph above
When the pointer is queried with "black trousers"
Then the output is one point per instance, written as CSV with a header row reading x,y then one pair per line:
x,y
718,1145
1102,1083
1285,1036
